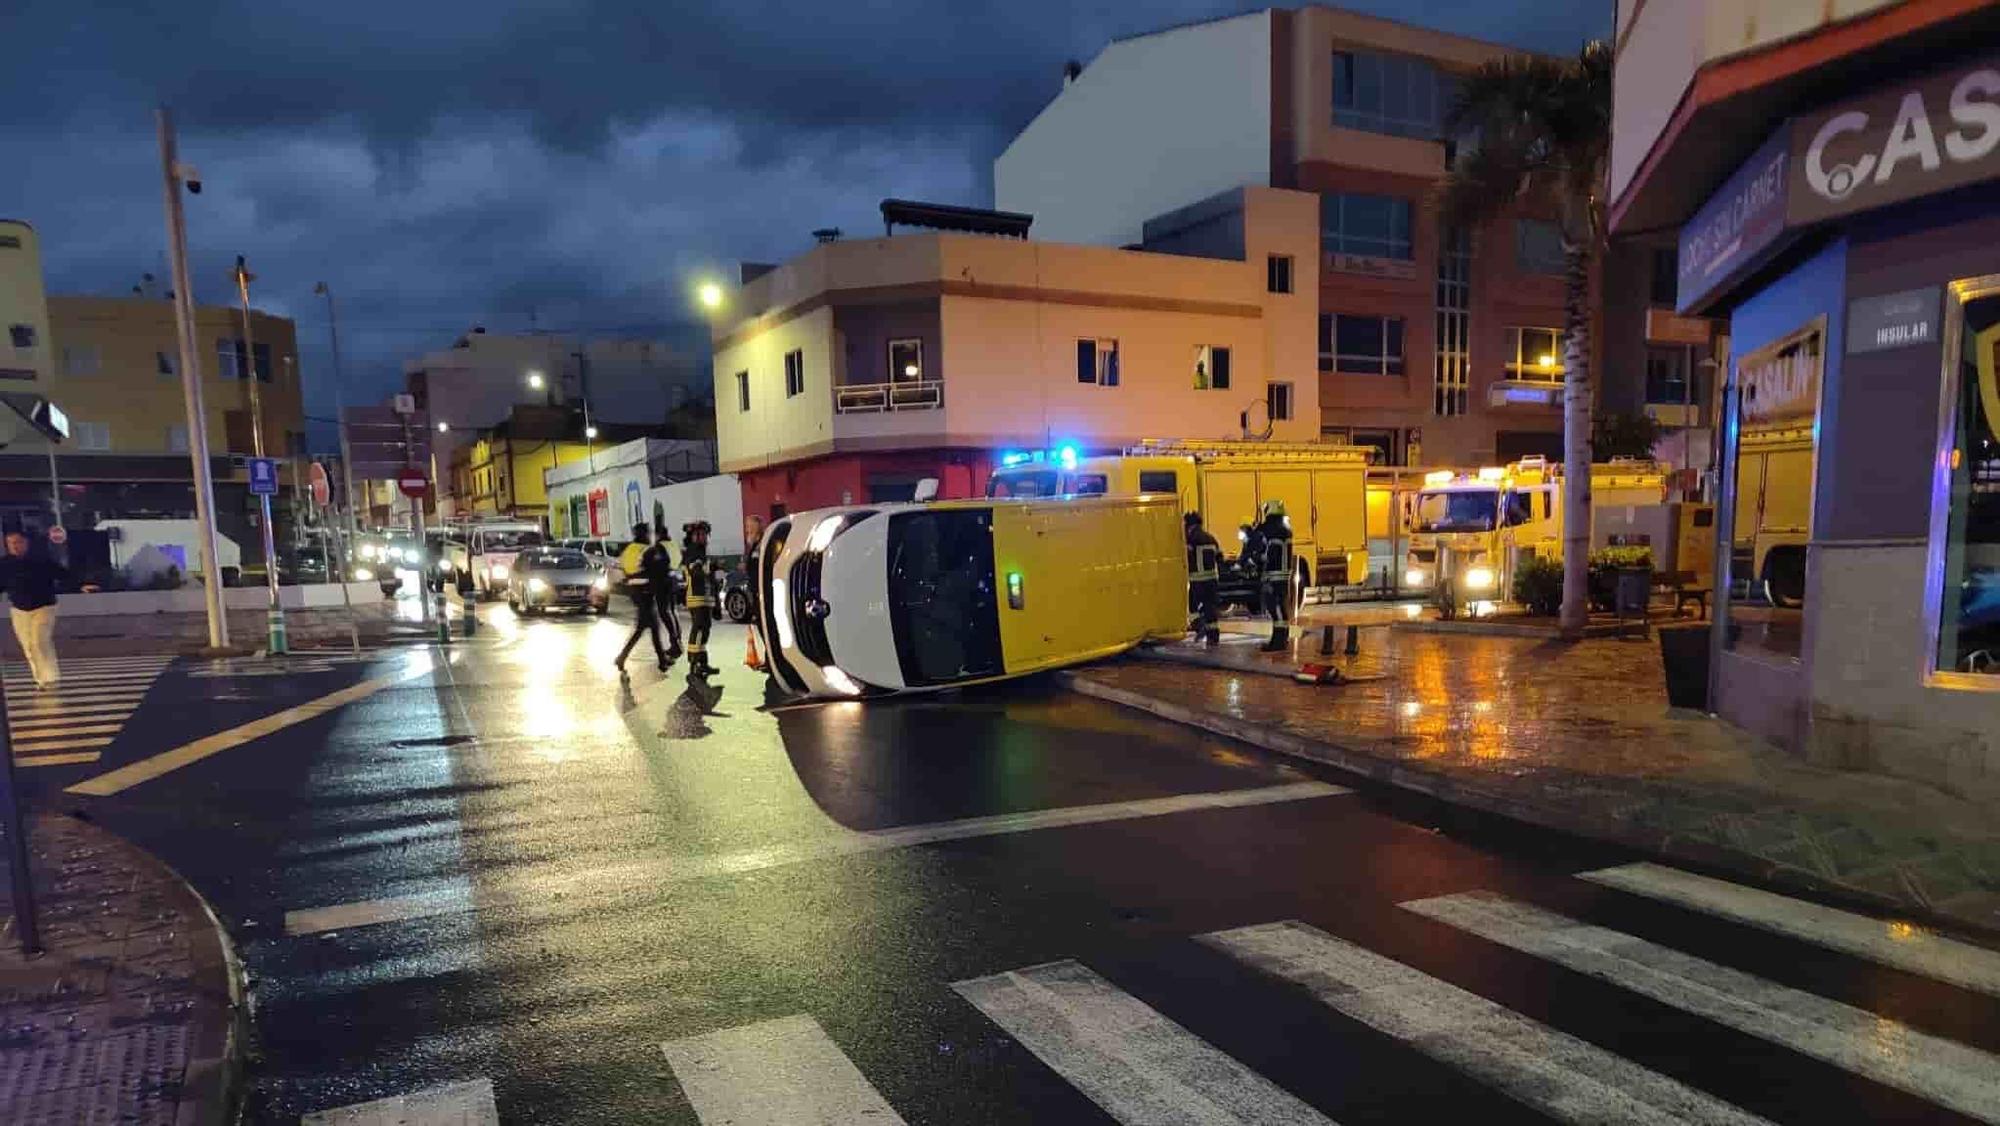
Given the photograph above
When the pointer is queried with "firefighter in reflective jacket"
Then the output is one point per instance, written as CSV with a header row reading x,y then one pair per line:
x,y
1204,561
700,595
1275,565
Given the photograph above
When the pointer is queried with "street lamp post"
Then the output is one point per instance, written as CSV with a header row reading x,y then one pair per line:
x,y
246,360
174,174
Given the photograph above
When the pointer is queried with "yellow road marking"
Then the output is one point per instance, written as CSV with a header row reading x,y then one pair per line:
x,y
56,760
63,732
147,769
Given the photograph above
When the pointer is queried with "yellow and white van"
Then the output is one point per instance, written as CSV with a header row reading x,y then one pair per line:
x,y
911,597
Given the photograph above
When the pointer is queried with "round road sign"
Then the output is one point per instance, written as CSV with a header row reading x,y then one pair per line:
x,y
322,489
412,482
58,535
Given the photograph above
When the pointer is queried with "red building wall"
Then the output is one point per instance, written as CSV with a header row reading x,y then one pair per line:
x,y
863,478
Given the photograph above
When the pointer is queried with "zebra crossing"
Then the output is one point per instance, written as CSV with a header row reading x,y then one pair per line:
x,y
74,721
1139,1065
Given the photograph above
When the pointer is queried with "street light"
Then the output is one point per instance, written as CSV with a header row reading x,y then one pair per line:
x,y
536,381
590,432
710,295
444,427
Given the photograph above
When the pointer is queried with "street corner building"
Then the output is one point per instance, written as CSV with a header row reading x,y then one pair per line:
x,y
1835,178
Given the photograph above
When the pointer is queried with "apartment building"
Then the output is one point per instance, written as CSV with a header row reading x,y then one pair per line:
x,y
25,354
500,470
858,369
1435,345
1833,171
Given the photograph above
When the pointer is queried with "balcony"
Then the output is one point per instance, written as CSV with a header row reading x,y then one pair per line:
x,y
889,398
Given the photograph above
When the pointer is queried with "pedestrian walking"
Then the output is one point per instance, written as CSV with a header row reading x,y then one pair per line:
x,y
700,595
639,587
30,581
1204,561
1274,535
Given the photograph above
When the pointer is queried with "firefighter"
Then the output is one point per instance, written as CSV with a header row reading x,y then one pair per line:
x,y
641,575
1275,571
700,595
1204,558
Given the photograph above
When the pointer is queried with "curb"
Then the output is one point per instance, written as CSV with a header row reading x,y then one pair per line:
x,y
214,1084
1448,789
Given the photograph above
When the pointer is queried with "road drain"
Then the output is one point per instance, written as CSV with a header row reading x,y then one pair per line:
x,y
439,741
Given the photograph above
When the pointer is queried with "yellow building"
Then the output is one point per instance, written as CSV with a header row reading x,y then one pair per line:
x,y
24,309
499,472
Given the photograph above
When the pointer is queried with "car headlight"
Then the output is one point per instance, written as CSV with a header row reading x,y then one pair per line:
x,y
497,571
1479,578
602,582
839,681
363,574
538,586
781,612
1414,577
367,551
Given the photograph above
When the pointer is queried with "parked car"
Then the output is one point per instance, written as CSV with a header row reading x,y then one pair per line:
x,y
482,554
556,579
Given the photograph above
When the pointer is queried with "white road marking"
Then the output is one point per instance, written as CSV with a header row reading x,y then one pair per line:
x,y
663,871
57,760
456,1104
74,676
22,746
1130,1060
1566,1078
1887,1051
1892,943
783,1072
368,912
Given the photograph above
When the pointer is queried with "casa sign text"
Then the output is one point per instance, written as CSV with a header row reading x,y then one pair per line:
x,y
1897,144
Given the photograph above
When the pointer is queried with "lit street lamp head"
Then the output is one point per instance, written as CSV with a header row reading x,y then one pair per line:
x,y
444,427
710,295
590,432
535,380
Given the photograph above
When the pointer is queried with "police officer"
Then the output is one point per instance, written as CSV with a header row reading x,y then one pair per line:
x,y
642,568
1204,561
700,595
1274,536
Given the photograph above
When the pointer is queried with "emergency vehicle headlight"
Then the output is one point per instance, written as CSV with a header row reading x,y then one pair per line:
x,y
498,571
839,681
1491,473
781,612
1438,477
363,574
602,582
1479,578
823,533
1414,577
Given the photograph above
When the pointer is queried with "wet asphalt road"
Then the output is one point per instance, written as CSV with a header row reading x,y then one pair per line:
x,y
545,874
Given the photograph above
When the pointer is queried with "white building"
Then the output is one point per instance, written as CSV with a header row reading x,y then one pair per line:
x,y
616,487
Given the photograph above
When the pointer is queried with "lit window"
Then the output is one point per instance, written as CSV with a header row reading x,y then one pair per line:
x,y
1371,226
906,360
1097,362
1534,353
1211,368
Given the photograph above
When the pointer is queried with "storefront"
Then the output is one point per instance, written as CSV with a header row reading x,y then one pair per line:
x,y
1856,260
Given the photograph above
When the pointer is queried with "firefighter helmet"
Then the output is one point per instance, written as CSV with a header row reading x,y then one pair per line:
x,y
1273,508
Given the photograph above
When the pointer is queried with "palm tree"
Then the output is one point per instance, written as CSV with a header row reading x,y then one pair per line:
x,y
1539,131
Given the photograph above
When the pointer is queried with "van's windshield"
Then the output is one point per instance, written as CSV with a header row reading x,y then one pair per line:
x,y
943,608
508,541
1461,510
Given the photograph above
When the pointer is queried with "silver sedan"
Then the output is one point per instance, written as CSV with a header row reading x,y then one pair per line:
x,y
546,579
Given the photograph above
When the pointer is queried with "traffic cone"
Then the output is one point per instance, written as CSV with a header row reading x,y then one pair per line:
x,y
751,658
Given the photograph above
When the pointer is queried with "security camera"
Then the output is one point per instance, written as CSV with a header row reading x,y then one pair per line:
x,y
189,175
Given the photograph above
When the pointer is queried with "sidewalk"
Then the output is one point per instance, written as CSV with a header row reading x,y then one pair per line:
x,y
1578,737
131,1013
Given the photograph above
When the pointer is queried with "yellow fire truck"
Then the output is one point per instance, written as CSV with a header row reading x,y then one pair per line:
x,y
1473,529
1323,487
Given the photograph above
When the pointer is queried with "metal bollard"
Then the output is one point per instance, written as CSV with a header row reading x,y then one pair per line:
x,y
1326,641
471,616
1353,641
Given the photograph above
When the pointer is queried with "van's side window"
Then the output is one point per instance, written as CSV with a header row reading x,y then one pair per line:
x,y
1520,508
1088,485
1158,481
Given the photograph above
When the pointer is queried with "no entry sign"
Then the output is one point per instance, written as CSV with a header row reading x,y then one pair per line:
x,y
412,482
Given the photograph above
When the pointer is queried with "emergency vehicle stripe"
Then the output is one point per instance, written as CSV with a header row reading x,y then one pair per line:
x,y
1130,1060
1568,1079
1889,942
1891,1053
784,1072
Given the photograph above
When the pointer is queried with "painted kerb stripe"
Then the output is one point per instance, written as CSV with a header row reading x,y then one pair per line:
x,y
1892,1053
1568,1079
1891,943
784,1072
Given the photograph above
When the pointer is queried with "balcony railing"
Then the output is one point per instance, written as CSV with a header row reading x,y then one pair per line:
x,y
879,398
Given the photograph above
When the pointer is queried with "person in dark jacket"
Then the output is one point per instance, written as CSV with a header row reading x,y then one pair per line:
x,y
1275,534
641,572
1204,561
700,595
30,582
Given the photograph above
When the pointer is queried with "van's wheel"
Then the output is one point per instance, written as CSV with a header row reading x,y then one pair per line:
x,y
1785,578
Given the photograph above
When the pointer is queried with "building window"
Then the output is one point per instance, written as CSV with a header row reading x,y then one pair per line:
x,y
1278,401
1097,362
1360,345
163,363
90,436
742,391
1665,281
1667,374
1453,374
177,438
23,335
1538,247
229,355
81,359
795,373
1372,226
1211,368
1278,273
1393,94
906,360
1535,353
1965,520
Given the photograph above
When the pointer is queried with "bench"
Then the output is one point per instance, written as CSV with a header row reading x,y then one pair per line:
x,y
1684,587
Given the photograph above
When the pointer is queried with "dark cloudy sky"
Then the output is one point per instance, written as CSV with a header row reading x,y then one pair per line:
x,y
442,163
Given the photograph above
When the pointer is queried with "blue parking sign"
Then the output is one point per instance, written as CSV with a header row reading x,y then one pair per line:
x,y
263,476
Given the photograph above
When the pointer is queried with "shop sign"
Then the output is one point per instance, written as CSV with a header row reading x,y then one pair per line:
x,y
1663,327
1908,140
1736,224
1397,268
1893,320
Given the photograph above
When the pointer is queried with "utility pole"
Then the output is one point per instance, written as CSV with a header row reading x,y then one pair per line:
x,y
173,175
339,407
246,360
